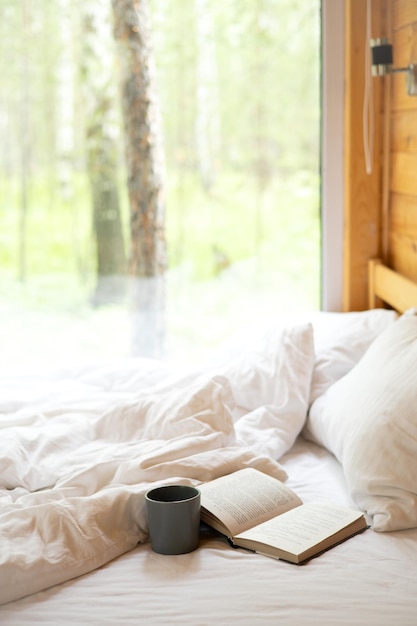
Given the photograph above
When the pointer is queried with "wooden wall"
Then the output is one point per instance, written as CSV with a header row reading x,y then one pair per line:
x,y
402,215
381,207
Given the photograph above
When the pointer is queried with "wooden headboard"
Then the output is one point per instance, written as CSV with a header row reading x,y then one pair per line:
x,y
389,287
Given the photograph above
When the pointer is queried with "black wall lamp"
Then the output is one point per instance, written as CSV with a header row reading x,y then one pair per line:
x,y
382,60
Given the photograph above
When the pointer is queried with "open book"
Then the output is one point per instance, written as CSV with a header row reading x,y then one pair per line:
x,y
260,513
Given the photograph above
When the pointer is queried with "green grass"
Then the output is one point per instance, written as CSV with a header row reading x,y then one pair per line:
x,y
270,241
279,223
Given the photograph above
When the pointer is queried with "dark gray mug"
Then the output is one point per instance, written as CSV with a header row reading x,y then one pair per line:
x,y
174,518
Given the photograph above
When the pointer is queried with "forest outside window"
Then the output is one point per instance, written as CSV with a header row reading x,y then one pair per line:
x,y
159,177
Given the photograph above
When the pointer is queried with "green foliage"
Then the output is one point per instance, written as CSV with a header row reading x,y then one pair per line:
x,y
233,222
239,92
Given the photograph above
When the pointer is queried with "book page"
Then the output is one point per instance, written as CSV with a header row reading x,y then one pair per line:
x,y
246,498
303,527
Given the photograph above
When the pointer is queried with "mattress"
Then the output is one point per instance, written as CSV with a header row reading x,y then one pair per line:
x,y
369,579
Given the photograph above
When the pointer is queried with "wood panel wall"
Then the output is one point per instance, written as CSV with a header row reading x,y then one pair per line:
x,y
381,207
402,216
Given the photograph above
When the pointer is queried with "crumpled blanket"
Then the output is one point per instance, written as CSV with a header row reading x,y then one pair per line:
x,y
79,449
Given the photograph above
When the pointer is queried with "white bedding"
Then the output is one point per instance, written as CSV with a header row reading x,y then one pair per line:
x,y
368,580
79,448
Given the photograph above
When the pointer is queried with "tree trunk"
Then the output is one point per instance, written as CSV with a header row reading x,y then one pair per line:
x,y
147,262
208,118
24,143
102,153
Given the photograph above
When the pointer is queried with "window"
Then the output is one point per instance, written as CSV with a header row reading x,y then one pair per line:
x,y
237,85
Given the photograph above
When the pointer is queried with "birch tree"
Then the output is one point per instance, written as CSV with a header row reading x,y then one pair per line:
x,y
144,163
101,140
208,120
25,152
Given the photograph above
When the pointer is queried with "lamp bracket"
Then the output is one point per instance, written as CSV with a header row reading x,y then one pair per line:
x,y
382,60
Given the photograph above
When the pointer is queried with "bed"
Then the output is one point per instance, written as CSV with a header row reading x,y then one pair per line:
x,y
325,401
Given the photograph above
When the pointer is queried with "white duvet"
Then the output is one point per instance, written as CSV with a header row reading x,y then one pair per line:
x,y
79,448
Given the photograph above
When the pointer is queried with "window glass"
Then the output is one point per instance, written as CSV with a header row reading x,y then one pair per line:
x,y
236,85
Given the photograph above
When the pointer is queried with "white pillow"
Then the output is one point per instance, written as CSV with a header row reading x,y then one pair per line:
x,y
340,340
368,419
271,381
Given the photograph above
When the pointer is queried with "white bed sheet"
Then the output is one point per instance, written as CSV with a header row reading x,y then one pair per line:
x,y
369,580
